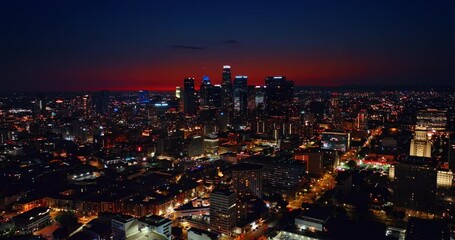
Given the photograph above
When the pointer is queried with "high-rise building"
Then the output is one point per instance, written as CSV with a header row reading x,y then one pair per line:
x,y
101,102
247,179
279,93
315,164
214,97
204,92
189,99
240,93
420,145
415,180
227,104
223,211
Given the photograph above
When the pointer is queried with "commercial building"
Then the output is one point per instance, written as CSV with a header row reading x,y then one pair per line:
x,y
156,224
420,145
33,220
200,234
189,99
123,226
223,211
247,179
415,188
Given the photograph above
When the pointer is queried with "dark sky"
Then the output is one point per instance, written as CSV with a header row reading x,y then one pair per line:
x,y
154,44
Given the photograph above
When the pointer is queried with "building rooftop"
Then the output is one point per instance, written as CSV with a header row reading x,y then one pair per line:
x,y
211,235
154,220
246,167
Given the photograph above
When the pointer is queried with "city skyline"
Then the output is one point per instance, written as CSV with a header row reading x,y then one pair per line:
x,y
87,46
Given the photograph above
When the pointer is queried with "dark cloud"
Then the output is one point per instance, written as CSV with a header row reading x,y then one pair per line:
x,y
231,42
187,47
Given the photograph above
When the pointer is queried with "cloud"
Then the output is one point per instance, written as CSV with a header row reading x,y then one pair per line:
x,y
185,47
230,41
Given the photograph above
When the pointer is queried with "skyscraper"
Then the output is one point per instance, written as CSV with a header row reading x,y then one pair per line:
x,y
247,179
189,101
278,96
223,211
240,93
415,179
204,92
101,102
420,145
227,103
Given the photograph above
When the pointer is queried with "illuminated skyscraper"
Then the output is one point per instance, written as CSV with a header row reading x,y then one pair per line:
x,y
227,104
189,100
420,145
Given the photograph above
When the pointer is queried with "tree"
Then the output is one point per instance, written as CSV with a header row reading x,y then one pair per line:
x,y
351,164
67,219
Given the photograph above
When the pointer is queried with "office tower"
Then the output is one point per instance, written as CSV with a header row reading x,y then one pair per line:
x,y
279,93
101,102
279,174
223,211
189,100
37,107
420,145
214,97
247,179
415,180
432,119
227,104
143,97
178,92
204,92
240,93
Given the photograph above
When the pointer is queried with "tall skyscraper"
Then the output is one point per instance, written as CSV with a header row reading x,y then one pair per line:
x,y
227,104
223,211
204,92
247,179
215,96
278,96
189,99
240,93
101,102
